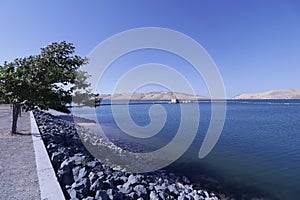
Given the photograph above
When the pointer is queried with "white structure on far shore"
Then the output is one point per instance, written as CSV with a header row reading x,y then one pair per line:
x,y
174,101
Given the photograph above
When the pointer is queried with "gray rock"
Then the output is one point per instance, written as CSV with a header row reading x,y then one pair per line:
x,y
57,157
181,198
101,195
153,196
68,163
97,185
79,173
159,188
117,168
196,197
66,179
68,152
93,177
64,173
100,174
88,198
132,179
78,158
140,189
187,190
110,193
125,188
82,173
205,194
72,193
107,184
118,196
58,139
171,188
162,195
117,174
211,198
188,197
132,195
91,164
123,178
51,146
160,181
150,187
179,186
82,187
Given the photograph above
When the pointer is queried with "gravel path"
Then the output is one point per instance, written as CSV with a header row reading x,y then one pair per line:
x,y
18,176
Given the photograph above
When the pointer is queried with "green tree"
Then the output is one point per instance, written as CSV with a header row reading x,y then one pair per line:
x,y
45,80
82,92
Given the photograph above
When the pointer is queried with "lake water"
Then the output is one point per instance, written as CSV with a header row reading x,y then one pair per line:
x,y
258,153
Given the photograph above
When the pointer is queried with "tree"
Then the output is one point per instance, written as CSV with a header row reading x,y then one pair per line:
x,y
82,92
44,80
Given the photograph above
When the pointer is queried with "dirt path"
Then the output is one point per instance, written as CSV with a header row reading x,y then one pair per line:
x,y
18,175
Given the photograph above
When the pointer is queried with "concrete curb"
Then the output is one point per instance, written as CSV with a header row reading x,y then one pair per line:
x,y
49,186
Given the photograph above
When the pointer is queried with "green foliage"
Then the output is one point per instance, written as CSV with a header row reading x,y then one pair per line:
x,y
84,162
41,80
82,92
46,80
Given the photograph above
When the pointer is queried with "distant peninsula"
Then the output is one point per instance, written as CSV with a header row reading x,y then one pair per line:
x,y
293,93
162,95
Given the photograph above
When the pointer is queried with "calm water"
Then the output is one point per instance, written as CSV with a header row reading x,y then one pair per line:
x,y
258,151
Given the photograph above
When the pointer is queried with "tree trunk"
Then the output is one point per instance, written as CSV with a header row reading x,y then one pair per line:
x,y
16,111
20,112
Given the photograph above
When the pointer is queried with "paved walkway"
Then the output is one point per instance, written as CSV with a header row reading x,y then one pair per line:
x,y
18,175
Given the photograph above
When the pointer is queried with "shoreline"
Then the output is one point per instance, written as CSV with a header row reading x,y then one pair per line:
x,y
83,176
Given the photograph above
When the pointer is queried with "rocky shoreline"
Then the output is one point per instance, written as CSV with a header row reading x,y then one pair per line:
x,y
82,176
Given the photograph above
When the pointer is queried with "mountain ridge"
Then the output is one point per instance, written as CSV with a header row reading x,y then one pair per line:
x,y
161,95
290,93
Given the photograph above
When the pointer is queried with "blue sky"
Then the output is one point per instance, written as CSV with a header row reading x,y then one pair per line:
x,y
255,44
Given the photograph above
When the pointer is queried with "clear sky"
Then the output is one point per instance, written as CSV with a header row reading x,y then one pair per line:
x,y
255,44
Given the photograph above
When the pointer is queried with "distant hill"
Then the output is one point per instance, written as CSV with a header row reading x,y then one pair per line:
x,y
272,94
153,96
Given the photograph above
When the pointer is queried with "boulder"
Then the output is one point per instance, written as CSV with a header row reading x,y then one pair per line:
x,y
93,177
89,198
82,187
78,159
153,196
159,188
132,179
97,185
101,195
172,189
79,172
125,188
72,193
110,193
139,190
64,173
91,164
